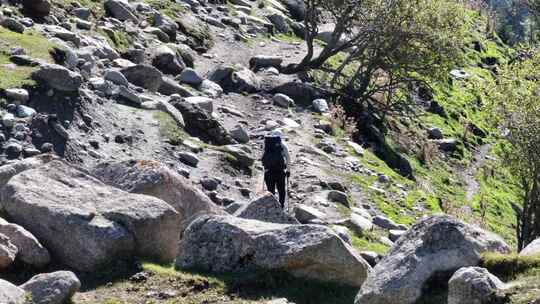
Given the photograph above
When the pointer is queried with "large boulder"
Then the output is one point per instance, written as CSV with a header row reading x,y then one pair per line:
x,y
475,285
36,8
267,209
154,179
52,288
235,79
167,60
201,124
30,250
434,245
11,294
532,249
120,9
144,76
9,170
58,77
85,223
301,92
226,243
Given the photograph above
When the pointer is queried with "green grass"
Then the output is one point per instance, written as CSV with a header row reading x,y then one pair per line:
x,y
260,286
119,39
34,44
369,242
510,266
169,129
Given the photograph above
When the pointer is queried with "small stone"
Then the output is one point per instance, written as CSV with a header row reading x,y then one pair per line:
x,y
320,106
190,76
13,25
240,134
47,147
18,95
25,111
188,158
210,184
8,120
384,222
282,100
435,133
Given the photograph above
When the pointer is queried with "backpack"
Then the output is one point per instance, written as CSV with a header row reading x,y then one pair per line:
x,y
273,159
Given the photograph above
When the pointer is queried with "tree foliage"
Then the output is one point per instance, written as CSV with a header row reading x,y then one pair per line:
x,y
383,47
516,105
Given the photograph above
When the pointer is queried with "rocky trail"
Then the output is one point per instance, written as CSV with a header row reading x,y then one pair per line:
x,y
472,186
131,136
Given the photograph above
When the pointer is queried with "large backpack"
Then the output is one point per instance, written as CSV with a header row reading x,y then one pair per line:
x,y
273,159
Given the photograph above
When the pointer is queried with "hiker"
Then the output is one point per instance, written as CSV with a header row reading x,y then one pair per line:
x,y
276,164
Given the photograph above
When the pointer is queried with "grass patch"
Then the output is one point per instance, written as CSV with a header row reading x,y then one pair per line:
x,y
119,39
169,129
510,266
369,242
34,44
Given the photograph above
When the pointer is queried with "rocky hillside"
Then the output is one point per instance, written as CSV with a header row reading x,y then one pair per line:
x,y
131,134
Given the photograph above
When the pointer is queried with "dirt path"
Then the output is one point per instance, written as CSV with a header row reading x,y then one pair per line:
x,y
472,186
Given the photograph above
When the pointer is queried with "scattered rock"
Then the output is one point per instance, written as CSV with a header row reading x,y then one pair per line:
x,y
240,134
58,77
475,285
237,80
30,250
343,233
282,100
267,209
435,133
433,245
190,76
116,77
359,224
320,106
385,223
306,214
200,124
226,243
189,158
18,95
166,60
204,103
12,25
120,10
394,235
145,76
52,288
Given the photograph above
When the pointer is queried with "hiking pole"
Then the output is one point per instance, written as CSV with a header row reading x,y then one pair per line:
x,y
287,194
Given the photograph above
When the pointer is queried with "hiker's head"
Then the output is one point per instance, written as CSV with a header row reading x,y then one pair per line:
x,y
276,133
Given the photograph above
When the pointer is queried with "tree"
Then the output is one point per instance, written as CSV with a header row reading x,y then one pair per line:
x,y
379,49
516,103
